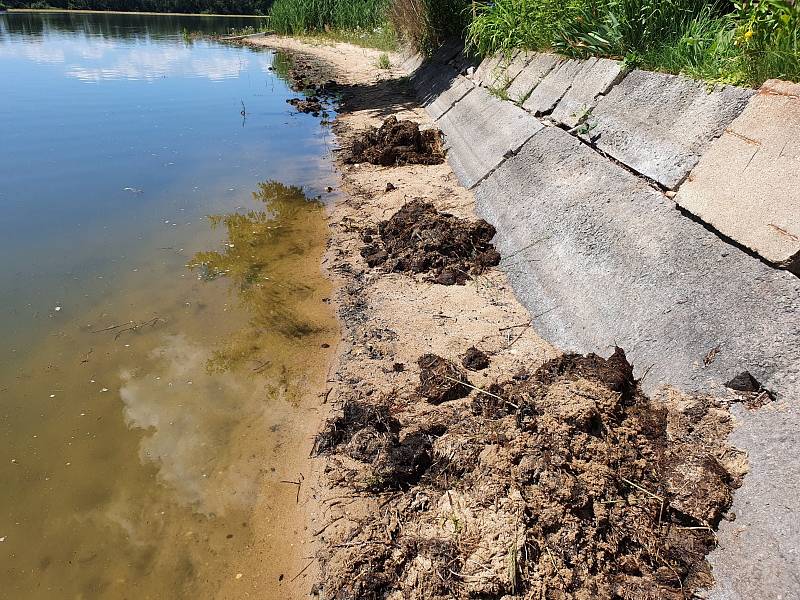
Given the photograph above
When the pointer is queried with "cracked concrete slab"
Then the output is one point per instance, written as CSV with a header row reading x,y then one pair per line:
x,y
480,130
593,80
599,258
617,263
747,184
517,64
544,97
441,103
529,77
493,72
659,124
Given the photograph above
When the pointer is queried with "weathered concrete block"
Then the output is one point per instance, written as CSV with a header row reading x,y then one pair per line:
x,y
447,51
618,264
555,84
480,130
487,66
431,80
411,61
659,124
601,259
493,71
529,77
438,105
519,62
594,79
747,184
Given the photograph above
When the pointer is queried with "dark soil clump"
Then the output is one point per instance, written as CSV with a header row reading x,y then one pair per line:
x,y
370,435
566,483
441,380
750,391
311,105
397,143
418,239
475,360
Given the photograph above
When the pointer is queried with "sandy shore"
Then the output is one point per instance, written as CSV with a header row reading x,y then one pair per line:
x,y
393,318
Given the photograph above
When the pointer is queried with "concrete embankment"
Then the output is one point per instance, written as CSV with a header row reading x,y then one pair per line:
x,y
660,214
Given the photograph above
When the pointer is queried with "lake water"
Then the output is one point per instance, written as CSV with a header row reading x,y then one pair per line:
x,y
162,310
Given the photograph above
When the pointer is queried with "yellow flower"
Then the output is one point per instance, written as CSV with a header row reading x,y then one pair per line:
x,y
748,34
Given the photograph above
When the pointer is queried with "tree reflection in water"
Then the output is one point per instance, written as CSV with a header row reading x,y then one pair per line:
x,y
272,260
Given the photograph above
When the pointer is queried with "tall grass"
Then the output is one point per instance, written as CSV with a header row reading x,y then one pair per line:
x,y
425,24
306,16
744,41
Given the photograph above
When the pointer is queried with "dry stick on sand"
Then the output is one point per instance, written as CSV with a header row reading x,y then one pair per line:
x,y
477,389
303,570
298,483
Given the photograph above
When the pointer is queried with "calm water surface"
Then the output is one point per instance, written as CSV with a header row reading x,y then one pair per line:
x,y
161,307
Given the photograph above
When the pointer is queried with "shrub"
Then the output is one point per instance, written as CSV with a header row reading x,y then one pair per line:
x,y
768,34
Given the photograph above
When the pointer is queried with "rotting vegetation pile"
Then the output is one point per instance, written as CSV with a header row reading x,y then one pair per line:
x,y
419,239
565,484
397,143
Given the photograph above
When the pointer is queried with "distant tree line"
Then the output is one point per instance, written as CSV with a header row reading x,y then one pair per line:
x,y
222,7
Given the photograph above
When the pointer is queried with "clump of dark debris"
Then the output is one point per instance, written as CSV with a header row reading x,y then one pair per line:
x,y
397,143
475,360
749,390
441,380
369,434
310,105
418,239
566,483
307,75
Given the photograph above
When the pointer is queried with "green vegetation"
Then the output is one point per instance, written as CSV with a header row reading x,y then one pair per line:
x,y
222,7
745,41
375,23
306,16
384,62
425,24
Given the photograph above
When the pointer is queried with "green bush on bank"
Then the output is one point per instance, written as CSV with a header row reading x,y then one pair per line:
x,y
745,41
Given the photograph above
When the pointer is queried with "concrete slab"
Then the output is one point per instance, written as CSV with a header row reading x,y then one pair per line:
x,y
411,61
493,72
480,130
438,105
747,184
447,51
487,66
517,64
593,80
601,259
431,80
660,124
544,97
617,263
529,77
